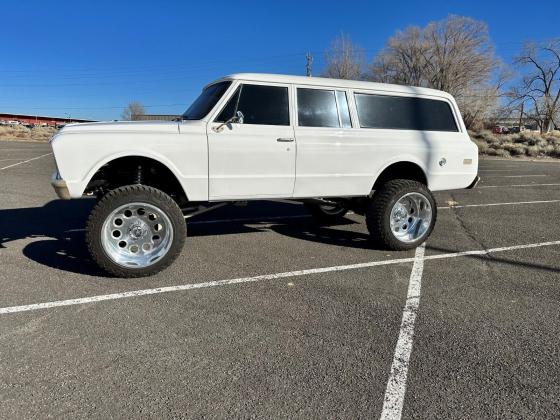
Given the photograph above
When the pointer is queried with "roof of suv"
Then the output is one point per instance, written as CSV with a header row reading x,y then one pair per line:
x,y
337,83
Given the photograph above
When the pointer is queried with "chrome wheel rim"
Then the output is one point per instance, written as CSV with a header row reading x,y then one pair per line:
x,y
411,217
137,235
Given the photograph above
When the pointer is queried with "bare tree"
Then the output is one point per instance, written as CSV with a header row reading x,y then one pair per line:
x,y
454,55
132,109
344,59
539,87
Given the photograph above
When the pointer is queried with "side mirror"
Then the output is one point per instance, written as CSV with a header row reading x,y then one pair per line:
x,y
237,118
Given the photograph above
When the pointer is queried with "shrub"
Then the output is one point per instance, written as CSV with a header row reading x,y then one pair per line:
x,y
532,151
21,132
519,144
515,149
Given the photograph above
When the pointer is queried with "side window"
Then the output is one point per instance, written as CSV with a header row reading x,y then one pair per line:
x,y
317,108
404,113
343,109
266,105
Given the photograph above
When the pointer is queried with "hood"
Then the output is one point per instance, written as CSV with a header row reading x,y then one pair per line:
x,y
122,126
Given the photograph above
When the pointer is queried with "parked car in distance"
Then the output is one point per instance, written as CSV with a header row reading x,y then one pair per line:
x,y
514,129
335,145
14,122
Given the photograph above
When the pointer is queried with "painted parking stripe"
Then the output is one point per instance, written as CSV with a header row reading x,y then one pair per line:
x,y
513,176
25,161
396,385
192,286
518,185
514,203
503,170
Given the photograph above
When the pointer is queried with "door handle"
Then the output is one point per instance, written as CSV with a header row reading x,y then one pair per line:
x,y
284,139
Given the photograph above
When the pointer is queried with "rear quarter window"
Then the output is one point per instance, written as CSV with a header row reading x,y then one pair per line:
x,y
404,113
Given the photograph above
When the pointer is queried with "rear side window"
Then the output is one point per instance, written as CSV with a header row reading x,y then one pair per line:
x,y
266,105
317,108
403,113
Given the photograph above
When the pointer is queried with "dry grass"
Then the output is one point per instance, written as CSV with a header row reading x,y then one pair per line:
x,y
23,133
527,143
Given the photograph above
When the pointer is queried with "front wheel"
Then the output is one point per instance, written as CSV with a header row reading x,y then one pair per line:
x,y
135,231
401,215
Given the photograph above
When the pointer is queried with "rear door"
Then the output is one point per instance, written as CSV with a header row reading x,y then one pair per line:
x,y
256,158
330,162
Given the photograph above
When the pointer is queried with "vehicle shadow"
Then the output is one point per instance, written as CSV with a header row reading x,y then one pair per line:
x,y
60,224
299,226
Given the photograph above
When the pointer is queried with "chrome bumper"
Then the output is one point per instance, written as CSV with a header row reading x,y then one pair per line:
x,y
60,187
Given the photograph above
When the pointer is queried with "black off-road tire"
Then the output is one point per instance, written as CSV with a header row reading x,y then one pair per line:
x,y
122,196
325,218
379,208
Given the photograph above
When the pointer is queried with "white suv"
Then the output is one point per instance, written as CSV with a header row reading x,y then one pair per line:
x,y
335,145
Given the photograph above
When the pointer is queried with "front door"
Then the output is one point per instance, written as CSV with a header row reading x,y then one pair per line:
x,y
255,158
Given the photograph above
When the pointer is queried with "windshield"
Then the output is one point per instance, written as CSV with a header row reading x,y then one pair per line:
x,y
206,101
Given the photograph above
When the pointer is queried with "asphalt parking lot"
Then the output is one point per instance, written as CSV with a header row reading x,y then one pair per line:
x,y
267,315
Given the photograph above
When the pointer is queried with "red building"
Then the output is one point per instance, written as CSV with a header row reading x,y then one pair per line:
x,y
40,119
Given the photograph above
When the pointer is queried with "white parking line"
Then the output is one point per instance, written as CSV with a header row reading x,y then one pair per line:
x,y
25,161
502,170
512,176
396,385
459,206
192,286
518,185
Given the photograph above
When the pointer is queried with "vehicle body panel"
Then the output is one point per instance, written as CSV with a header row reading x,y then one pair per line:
x,y
81,149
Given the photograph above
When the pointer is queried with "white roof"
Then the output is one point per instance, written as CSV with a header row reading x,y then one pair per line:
x,y
336,83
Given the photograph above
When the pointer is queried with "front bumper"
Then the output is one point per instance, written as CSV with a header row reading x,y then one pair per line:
x,y
475,182
60,187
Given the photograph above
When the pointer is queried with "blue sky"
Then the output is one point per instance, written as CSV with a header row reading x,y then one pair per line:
x,y
90,58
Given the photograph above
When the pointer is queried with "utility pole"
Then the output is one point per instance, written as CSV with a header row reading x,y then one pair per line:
x,y
309,60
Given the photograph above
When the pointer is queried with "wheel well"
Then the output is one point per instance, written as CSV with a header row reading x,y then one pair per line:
x,y
136,170
401,170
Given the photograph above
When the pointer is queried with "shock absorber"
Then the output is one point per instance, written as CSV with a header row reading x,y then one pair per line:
x,y
139,175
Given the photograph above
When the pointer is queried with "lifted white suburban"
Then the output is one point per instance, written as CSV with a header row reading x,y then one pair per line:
x,y
336,145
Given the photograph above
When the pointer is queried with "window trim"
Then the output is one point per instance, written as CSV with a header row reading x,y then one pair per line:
x,y
454,111
334,89
347,106
237,83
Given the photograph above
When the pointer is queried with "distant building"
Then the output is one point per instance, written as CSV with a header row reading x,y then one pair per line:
x,y
154,117
39,119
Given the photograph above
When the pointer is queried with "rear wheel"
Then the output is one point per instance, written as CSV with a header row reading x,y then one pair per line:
x,y
401,215
135,231
328,212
